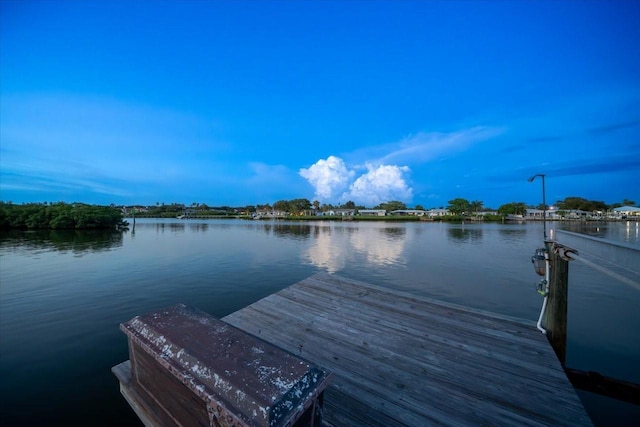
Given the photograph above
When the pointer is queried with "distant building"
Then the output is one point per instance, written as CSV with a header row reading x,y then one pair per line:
x,y
539,214
577,214
437,212
533,214
625,211
344,212
409,212
269,213
128,210
372,212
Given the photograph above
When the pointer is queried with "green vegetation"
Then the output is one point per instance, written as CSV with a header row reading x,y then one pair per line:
x,y
295,206
459,207
393,205
58,216
162,211
513,208
77,241
195,210
571,203
625,202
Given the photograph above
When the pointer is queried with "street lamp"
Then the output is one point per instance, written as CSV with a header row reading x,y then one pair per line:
x,y
544,204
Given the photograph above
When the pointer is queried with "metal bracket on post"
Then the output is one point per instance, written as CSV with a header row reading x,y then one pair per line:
x,y
564,252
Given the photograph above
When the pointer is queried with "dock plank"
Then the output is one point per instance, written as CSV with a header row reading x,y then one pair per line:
x,y
402,360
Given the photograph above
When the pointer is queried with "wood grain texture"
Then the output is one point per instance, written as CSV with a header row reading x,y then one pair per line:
x,y
149,413
199,371
402,360
555,316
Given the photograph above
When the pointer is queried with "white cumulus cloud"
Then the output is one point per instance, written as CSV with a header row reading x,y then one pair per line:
x,y
333,181
384,176
380,184
329,177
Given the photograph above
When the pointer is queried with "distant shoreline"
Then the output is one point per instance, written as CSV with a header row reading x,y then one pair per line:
x,y
390,218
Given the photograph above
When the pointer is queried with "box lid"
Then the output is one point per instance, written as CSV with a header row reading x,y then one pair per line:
x,y
237,374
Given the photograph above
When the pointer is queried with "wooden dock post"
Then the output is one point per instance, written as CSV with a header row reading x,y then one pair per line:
x,y
555,316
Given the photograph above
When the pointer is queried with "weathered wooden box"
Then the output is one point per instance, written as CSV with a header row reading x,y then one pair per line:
x,y
191,369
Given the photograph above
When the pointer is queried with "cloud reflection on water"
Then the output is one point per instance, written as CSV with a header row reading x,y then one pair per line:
x,y
335,246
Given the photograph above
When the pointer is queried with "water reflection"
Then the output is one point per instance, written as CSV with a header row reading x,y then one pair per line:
x,y
627,232
180,226
394,231
631,232
511,233
327,250
295,231
334,247
78,242
73,305
199,227
465,235
173,227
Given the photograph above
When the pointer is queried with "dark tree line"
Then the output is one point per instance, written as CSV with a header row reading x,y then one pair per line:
x,y
294,206
58,216
196,209
463,207
571,203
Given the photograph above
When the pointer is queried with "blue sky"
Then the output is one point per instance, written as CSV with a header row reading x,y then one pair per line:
x,y
250,102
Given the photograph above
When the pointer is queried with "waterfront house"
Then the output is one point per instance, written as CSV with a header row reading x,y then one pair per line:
x,y
534,214
538,214
576,214
372,212
344,212
338,212
626,211
437,212
269,213
409,212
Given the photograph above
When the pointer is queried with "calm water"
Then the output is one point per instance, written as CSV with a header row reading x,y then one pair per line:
x,y
63,295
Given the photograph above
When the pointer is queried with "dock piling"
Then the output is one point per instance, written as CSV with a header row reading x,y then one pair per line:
x,y
555,317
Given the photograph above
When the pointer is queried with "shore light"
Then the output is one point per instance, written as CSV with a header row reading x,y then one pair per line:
x,y
544,204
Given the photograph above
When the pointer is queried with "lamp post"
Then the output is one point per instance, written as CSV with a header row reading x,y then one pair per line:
x,y
544,204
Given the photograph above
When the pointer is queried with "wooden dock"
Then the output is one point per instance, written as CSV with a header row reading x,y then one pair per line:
x,y
402,360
